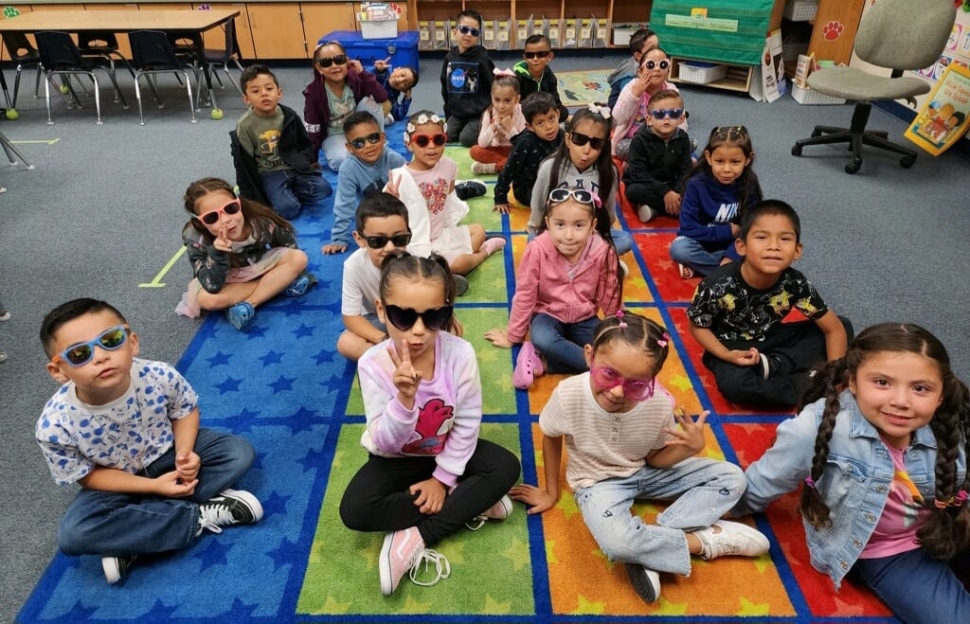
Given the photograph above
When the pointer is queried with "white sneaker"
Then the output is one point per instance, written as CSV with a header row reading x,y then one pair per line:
x,y
388,120
228,508
115,568
645,581
646,213
734,538
499,511
624,270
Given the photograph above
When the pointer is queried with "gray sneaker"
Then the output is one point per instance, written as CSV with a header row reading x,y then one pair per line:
x,y
645,581
461,284
228,508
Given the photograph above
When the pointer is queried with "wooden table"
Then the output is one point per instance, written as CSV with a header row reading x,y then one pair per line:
x,y
189,23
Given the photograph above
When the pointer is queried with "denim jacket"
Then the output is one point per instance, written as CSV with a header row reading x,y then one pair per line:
x,y
855,482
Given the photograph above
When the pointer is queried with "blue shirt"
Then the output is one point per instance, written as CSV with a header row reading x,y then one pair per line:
x,y
356,181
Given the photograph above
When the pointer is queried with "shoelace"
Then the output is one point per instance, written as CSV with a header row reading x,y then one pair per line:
x,y
442,568
214,517
476,523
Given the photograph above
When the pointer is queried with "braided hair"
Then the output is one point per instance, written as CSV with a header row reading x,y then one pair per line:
x,y
636,331
947,530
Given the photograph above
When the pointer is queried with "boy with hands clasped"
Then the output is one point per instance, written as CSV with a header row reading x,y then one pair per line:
x,y
127,431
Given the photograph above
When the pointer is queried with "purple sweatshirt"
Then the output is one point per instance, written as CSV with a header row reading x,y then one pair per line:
x,y
316,109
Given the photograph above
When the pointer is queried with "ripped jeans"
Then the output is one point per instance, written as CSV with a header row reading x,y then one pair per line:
x,y
702,489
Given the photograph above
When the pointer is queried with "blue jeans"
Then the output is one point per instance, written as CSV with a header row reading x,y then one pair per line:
x,y
333,152
690,253
702,490
917,587
289,191
115,524
562,343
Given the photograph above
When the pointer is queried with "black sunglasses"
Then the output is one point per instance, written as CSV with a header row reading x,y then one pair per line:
x,y
423,139
211,218
404,319
655,64
468,30
326,62
373,138
539,54
660,113
581,139
380,241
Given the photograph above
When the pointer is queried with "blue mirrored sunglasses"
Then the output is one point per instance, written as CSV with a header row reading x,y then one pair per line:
x,y
109,340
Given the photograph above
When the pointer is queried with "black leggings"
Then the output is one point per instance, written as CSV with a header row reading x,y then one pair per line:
x,y
377,498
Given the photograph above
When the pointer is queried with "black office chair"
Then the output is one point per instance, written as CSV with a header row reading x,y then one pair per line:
x,y
895,34
24,55
153,54
59,56
103,43
221,57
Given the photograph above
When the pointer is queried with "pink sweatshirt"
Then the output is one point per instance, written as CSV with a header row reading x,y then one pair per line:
x,y
447,408
545,283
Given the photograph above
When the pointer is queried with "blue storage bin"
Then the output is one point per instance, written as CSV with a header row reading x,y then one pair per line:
x,y
402,50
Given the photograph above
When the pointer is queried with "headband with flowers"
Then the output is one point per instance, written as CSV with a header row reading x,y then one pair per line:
x,y
420,121
602,111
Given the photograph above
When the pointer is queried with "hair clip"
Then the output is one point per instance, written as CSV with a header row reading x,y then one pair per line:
x,y
810,482
622,324
503,72
602,111
420,121
663,341
953,501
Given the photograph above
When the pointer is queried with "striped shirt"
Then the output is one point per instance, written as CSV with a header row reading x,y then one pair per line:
x,y
602,445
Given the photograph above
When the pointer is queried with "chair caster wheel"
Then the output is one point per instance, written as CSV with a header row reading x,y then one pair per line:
x,y
907,161
796,150
853,167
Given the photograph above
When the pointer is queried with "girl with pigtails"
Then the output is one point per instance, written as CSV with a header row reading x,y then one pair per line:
x,y
884,486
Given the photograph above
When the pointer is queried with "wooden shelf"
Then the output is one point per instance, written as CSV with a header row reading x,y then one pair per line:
x,y
738,77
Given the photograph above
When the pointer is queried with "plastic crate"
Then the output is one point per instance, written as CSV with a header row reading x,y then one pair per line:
x,y
402,50
801,10
623,32
810,96
378,29
700,73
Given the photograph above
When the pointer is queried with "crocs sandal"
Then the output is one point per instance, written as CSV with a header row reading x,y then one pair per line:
x,y
528,366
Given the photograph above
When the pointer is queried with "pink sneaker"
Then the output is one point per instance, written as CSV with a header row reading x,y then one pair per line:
x,y
491,245
400,552
528,366
499,511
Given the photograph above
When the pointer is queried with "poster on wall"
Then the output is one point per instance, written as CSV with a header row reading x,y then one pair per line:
x,y
945,116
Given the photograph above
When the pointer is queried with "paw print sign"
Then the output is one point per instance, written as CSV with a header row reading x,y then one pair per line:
x,y
833,30
10,11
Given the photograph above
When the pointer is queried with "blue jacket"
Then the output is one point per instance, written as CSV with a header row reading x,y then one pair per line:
x,y
855,482
355,181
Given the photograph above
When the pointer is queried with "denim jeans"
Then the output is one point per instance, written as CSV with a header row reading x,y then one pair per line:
x,y
917,587
690,253
333,152
115,524
562,343
702,491
289,191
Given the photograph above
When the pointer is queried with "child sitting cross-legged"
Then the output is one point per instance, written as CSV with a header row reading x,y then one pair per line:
x,y
500,123
127,431
274,158
427,187
363,174
542,135
659,158
626,441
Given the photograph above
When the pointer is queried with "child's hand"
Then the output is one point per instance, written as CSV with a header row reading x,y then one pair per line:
x,y
187,466
171,485
537,499
672,203
333,248
690,432
392,186
430,496
498,337
381,65
222,242
354,65
743,358
502,208
406,378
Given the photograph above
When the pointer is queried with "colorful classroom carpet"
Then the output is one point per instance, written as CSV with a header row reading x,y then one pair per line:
x,y
282,385
582,87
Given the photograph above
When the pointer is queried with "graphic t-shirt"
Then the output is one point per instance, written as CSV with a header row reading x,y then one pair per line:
x,y
260,136
435,184
896,530
340,108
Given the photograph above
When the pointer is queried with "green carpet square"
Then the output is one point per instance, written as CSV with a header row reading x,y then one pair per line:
x,y
491,570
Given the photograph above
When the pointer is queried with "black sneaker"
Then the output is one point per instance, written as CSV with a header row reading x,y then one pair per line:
x,y
646,582
472,188
115,568
461,284
228,508
770,365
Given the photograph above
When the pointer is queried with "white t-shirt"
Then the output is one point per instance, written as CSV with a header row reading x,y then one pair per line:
x,y
361,285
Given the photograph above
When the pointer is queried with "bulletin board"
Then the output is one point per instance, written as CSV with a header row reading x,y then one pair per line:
x,y
727,31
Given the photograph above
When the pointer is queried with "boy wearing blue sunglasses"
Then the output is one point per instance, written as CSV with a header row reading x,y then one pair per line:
x,y
466,80
127,431
659,158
